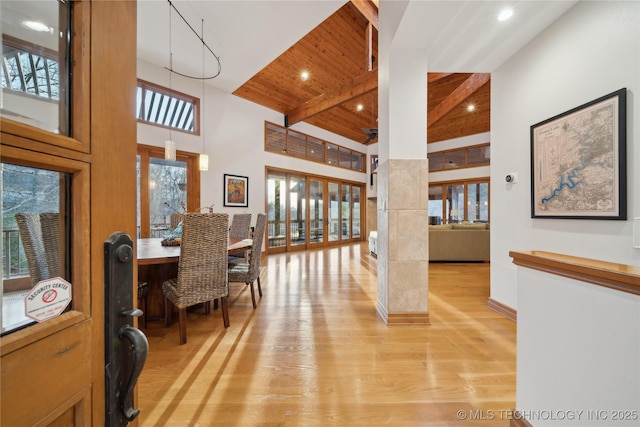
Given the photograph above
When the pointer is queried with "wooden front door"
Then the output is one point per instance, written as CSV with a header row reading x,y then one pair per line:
x,y
53,371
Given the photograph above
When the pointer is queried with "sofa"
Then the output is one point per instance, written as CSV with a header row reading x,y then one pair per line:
x,y
459,242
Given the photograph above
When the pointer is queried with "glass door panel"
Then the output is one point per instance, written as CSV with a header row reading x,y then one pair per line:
x,y
355,231
455,203
167,193
346,212
435,205
316,211
297,211
334,211
34,203
483,201
276,211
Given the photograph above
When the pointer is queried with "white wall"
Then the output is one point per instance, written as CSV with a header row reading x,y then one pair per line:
x,y
578,353
591,51
234,133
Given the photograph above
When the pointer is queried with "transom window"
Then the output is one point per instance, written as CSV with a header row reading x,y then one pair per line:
x,y
160,106
30,69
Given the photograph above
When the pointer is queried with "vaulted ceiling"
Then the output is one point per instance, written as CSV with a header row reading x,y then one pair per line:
x,y
341,92
337,52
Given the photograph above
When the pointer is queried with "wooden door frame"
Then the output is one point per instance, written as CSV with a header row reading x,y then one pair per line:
x,y
101,157
326,179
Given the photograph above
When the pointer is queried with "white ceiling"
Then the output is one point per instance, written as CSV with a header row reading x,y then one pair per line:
x,y
246,35
459,36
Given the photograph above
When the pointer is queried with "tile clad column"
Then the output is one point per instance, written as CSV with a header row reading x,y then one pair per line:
x,y
403,241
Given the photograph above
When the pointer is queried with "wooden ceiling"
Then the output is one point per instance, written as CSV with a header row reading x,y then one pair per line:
x,y
340,56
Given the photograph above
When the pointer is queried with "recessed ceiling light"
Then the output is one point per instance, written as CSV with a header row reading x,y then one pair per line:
x,y
505,14
37,26
359,107
304,76
471,108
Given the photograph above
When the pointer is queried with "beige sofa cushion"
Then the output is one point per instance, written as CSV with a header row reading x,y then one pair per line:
x,y
461,243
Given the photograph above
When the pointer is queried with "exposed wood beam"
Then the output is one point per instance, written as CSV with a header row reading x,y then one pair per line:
x,y
361,85
368,9
369,47
467,88
434,77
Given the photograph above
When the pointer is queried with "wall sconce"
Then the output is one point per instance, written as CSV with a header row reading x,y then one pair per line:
x,y
170,150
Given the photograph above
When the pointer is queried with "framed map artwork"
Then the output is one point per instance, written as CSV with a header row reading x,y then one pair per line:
x,y
578,162
236,190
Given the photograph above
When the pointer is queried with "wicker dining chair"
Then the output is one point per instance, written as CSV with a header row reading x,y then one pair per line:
x,y
240,227
249,272
40,235
175,219
202,268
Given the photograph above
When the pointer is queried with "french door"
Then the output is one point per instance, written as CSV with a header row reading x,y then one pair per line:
x,y
306,211
83,139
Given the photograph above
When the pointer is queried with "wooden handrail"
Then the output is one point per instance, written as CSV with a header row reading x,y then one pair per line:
x,y
622,277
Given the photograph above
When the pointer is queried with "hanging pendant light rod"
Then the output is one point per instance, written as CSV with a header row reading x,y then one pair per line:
x,y
203,44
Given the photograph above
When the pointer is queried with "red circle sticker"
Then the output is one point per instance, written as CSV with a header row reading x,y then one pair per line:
x,y
49,296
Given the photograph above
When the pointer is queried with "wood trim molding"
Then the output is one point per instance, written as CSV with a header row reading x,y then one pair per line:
x,y
502,309
402,318
621,277
517,420
408,319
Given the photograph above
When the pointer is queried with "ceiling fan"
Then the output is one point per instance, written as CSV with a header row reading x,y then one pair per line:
x,y
372,133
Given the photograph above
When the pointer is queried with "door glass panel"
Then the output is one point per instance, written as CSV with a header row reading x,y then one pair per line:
x,y
455,203
276,210
34,248
167,193
346,212
34,75
316,214
483,202
334,212
435,205
297,211
356,212
473,205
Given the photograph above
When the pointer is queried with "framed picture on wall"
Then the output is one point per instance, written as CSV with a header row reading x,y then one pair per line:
x,y
236,191
578,162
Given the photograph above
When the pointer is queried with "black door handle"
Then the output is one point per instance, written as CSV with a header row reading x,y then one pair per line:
x,y
126,347
140,349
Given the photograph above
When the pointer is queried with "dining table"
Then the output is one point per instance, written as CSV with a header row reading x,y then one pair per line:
x,y
157,263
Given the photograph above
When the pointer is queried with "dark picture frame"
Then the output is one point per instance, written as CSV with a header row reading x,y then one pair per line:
x,y
236,191
578,162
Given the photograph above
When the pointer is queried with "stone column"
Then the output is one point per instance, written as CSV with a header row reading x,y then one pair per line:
x,y
403,178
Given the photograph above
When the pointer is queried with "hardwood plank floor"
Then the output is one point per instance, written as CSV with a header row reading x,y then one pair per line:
x,y
314,353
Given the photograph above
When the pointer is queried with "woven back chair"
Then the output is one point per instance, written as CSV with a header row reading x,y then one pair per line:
x,y
249,272
175,219
202,269
40,235
240,225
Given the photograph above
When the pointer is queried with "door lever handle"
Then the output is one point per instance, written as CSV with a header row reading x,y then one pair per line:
x,y
132,313
140,347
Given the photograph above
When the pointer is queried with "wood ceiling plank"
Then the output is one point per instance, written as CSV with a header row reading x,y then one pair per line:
x,y
362,84
466,89
434,77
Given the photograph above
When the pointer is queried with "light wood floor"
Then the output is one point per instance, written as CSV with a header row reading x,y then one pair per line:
x,y
314,353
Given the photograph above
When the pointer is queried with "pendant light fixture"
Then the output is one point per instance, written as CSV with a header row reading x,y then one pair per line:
x,y
169,145
204,158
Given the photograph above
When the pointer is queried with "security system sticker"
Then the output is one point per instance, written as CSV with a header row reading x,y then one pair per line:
x,y
47,299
